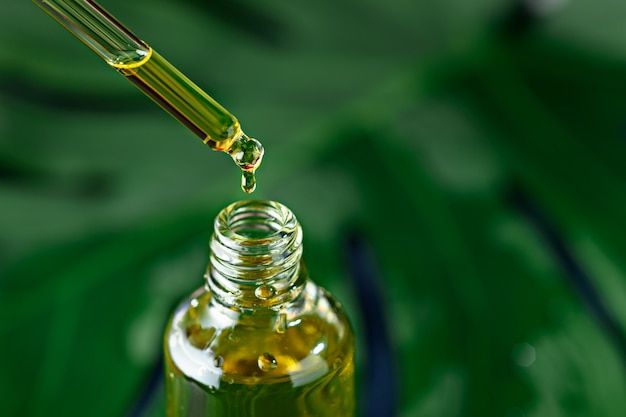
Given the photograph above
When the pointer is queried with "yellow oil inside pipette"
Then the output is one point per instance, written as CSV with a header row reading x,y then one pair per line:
x,y
159,80
191,106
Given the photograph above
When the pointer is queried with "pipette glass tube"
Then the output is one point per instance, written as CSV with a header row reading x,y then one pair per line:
x,y
160,80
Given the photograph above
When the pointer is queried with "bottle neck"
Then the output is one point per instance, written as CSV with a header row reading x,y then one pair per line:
x,y
255,256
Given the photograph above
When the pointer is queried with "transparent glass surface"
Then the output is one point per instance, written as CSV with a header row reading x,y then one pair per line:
x,y
297,361
261,339
160,81
97,29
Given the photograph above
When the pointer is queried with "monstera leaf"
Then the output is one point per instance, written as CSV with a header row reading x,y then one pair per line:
x,y
456,166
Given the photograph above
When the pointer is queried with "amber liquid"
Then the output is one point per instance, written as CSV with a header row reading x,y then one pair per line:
x,y
180,97
195,109
269,365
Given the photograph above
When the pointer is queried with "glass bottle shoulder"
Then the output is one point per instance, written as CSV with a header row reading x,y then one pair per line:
x,y
299,341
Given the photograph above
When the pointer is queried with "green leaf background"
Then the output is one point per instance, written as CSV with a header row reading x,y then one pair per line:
x,y
457,138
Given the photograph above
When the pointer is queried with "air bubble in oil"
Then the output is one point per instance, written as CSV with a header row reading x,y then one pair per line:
x,y
267,362
218,361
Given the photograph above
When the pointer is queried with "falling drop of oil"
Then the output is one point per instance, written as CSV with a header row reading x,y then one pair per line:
x,y
248,181
265,292
267,362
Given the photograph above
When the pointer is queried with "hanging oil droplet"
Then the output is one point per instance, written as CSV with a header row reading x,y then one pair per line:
x,y
247,154
267,362
248,181
265,292
218,361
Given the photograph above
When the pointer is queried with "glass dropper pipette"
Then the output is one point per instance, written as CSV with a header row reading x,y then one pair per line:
x,y
160,80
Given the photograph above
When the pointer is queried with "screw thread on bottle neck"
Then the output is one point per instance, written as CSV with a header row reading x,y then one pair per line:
x,y
255,255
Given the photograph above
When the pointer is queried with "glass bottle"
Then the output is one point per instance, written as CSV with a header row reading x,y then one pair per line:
x,y
260,338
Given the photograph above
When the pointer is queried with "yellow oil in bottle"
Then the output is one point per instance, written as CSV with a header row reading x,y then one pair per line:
x,y
261,339
252,369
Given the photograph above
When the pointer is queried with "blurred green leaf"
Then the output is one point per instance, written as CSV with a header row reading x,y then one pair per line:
x,y
410,123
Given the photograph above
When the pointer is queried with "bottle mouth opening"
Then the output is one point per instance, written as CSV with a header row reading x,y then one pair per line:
x,y
255,254
256,221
